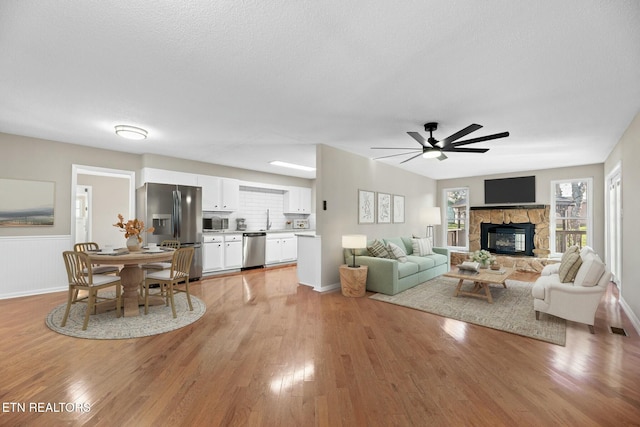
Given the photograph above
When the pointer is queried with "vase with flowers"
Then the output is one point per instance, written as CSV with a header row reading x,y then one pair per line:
x,y
132,229
483,257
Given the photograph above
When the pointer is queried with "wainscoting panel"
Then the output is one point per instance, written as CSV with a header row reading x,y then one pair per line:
x,y
32,265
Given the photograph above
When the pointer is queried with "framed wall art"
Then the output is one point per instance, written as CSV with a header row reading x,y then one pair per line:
x,y
384,208
366,207
26,203
398,208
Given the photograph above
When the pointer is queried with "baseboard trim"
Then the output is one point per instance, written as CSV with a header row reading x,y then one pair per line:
x,y
329,288
630,314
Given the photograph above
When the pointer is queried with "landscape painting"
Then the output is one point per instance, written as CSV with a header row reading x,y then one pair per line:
x,y
26,203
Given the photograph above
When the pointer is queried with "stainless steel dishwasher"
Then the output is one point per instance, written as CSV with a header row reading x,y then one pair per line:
x,y
253,249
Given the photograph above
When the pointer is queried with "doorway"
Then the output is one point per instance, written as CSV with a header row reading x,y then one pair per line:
x,y
614,223
98,204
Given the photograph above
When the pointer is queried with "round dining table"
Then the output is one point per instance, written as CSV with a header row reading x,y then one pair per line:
x,y
131,274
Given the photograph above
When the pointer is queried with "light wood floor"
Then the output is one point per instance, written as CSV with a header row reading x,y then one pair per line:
x,y
270,352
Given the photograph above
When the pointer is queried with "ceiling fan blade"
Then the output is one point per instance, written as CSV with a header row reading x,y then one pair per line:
x,y
394,155
466,131
442,157
411,158
419,138
480,139
465,150
395,148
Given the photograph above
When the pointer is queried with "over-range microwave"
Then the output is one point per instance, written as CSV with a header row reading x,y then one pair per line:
x,y
215,223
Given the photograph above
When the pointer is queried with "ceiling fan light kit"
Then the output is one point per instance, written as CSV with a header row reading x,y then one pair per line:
x,y
434,149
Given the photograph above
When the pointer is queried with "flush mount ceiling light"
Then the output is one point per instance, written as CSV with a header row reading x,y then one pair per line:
x,y
131,132
292,166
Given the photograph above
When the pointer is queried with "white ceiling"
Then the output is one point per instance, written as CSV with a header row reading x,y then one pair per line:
x,y
241,83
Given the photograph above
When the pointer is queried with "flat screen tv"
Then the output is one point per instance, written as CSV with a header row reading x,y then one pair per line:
x,y
510,190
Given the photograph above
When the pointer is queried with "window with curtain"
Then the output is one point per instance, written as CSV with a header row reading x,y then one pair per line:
x,y
457,217
571,208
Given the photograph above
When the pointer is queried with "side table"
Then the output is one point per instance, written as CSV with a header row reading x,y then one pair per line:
x,y
353,280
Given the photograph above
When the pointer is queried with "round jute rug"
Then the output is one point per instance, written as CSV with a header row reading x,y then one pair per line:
x,y
106,326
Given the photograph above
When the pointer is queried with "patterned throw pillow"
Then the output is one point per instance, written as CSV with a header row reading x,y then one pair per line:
x,y
397,252
378,249
569,266
422,246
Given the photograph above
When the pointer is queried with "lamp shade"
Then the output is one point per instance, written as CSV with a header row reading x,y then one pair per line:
x,y
354,241
431,216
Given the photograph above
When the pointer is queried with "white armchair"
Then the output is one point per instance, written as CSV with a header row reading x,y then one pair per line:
x,y
576,301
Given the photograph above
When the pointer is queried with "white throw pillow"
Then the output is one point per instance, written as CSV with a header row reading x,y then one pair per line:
x,y
590,271
397,252
586,250
422,246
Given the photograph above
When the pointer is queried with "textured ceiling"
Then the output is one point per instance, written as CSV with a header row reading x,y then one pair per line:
x,y
241,83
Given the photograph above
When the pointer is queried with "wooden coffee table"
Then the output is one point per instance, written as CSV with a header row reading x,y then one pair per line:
x,y
481,281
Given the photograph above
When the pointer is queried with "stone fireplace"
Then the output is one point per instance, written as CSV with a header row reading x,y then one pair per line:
x,y
507,218
517,227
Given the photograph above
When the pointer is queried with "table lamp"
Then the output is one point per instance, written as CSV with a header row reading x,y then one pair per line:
x,y
353,242
431,216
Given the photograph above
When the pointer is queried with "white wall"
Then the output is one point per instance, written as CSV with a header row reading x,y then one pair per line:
x,y
339,176
627,154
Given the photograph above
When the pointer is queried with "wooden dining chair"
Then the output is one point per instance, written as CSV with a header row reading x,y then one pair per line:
x,y
97,269
81,278
162,265
169,279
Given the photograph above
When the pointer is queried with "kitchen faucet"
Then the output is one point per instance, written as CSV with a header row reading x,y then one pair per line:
x,y
268,223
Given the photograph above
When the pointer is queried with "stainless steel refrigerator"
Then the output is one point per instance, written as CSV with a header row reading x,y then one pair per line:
x,y
175,212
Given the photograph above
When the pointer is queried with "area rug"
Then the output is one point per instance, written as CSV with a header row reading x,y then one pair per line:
x,y
106,326
511,311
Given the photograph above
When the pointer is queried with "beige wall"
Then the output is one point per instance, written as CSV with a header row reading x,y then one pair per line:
x,y
38,159
44,160
339,177
543,191
627,154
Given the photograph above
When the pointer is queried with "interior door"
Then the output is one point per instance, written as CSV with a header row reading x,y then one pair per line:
x,y
83,213
614,225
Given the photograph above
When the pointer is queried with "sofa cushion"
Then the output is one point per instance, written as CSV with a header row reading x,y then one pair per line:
x,y
439,259
424,263
397,252
378,249
590,271
407,269
569,266
422,246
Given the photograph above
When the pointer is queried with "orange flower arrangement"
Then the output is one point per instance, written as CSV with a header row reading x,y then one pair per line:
x,y
133,227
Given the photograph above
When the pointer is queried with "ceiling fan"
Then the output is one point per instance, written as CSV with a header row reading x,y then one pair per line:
x,y
432,148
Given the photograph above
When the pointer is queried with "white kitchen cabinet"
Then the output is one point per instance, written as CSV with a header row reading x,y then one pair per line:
x,y
289,249
213,253
297,200
232,251
163,176
219,194
280,247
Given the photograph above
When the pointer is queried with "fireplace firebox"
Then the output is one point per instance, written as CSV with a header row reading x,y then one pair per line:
x,y
507,239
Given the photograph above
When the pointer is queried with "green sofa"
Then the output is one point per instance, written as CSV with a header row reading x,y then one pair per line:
x,y
389,276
